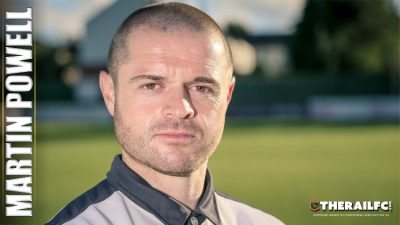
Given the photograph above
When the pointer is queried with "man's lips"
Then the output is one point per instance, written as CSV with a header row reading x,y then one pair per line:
x,y
176,135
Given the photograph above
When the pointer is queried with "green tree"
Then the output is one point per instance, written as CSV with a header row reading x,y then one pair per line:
x,y
236,30
347,36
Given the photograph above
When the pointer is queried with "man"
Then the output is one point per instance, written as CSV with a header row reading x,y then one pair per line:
x,y
168,86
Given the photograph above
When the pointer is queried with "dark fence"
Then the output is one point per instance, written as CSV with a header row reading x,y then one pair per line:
x,y
289,95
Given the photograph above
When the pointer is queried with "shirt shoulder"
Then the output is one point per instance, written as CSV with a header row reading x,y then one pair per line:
x,y
97,194
234,212
103,205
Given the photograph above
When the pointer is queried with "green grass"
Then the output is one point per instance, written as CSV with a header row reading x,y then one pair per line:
x,y
277,168
281,168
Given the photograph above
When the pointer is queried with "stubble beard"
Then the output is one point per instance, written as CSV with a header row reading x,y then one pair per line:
x,y
136,143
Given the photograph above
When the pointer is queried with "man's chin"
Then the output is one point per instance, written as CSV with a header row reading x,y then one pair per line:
x,y
176,164
175,173
177,170
175,153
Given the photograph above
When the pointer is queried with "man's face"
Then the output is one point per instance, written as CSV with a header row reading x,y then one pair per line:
x,y
171,98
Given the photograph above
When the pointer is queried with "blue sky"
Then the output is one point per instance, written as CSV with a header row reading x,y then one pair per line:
x,y
60,20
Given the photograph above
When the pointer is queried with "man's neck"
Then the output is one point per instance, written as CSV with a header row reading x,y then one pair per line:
x,y
186,190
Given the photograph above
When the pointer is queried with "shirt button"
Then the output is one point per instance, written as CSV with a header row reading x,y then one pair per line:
x,y
194,221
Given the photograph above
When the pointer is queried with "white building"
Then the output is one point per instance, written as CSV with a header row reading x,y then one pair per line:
x,y
93,48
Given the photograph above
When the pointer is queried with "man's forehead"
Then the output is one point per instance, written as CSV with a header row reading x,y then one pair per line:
x,y
151,49
209,42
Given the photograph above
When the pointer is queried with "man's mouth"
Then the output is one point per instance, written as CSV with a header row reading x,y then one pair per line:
x,y
176,136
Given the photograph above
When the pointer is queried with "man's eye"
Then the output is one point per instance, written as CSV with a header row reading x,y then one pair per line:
x,y
151,86
203,89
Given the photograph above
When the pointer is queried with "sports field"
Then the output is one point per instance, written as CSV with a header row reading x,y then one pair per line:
x,y
278,168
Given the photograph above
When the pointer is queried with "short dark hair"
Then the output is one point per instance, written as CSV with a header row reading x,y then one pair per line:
x,y
165,17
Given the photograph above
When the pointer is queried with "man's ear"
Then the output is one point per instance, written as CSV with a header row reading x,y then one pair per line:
x,y
107,90
231,88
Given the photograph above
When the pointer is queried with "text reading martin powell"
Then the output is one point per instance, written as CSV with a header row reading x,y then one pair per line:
x,y
18,114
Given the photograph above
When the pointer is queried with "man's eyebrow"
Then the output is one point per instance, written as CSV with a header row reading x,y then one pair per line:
x,y
200,79
147,77
205,80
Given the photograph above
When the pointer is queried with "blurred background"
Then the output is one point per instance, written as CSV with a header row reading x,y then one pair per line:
x,y
315,113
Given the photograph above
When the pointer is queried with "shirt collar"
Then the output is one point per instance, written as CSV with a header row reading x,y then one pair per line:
x,y
159,204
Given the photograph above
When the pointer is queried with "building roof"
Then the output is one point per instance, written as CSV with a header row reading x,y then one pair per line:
x,y
100,30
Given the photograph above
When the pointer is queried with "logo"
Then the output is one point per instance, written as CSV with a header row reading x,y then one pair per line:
x,y
316,206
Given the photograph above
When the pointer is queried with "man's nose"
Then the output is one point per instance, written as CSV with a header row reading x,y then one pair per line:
x,y
179,104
